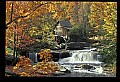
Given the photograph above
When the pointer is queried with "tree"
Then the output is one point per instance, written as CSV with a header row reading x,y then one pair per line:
x,y
17,12
103,19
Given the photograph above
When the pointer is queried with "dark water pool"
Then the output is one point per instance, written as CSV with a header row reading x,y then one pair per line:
x,y
77,74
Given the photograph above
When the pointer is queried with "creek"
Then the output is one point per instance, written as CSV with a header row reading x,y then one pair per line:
x,y
83,63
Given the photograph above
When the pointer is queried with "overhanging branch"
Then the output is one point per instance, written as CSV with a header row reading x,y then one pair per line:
x,y
25,15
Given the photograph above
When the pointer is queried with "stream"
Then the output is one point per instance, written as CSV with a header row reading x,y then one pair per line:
x,y
77,74
83,63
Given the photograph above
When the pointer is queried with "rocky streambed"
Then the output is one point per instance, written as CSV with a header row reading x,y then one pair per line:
x,y
63,72
69,73
77,74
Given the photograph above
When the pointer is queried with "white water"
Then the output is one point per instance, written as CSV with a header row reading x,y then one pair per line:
x,y
33,57
79,57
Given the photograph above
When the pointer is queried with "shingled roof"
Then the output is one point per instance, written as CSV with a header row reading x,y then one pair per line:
x,y
64,23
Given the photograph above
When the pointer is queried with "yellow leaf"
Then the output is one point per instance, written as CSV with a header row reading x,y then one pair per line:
x,y
19,20
26,13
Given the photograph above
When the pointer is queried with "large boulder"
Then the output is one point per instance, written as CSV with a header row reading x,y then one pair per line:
x,y
62,71
9,60
64,54
55,55
59,54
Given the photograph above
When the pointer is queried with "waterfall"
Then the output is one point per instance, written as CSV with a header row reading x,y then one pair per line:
x,y
36,60
87,57
80,56
33,57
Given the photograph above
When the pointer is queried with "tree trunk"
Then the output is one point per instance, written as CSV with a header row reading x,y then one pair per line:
x,y
14,49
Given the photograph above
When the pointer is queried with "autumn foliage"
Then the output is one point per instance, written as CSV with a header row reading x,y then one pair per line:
x,y
30,24
47,67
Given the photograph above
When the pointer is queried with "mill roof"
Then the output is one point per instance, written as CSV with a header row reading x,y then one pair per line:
x,y
64,23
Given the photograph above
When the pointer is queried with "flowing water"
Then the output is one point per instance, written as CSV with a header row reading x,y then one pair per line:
x,y
81,56
33,57
89,58
83,74
81,63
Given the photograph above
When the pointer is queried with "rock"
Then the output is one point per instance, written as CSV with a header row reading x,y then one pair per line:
x,y
9,60
11,74
55,59
63,69
67,71
55,55
58,73
77,45
59,54
64,55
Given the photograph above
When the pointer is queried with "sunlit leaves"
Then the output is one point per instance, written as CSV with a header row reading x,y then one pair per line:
x,y
45,54
25,67
103,17
41,14
96,14
111,18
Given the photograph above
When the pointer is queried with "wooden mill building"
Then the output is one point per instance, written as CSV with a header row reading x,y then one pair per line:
x,y
62,28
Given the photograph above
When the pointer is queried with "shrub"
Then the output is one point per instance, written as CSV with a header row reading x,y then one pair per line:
x,y
77,34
